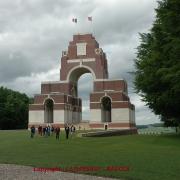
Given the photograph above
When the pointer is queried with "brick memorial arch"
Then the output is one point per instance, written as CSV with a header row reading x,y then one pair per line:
x,y
59,103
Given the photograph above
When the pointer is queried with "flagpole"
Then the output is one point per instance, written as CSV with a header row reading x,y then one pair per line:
x,y
92,28
74,20
91,25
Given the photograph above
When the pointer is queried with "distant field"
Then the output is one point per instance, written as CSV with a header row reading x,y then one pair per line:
x,y
148,157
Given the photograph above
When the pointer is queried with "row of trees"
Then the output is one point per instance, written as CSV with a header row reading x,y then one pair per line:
x,y
13,109
157,76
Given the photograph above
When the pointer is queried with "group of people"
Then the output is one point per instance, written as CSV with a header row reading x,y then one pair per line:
x,y
50,130
45,131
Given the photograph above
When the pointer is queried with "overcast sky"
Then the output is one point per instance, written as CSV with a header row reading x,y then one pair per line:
x,y
33,33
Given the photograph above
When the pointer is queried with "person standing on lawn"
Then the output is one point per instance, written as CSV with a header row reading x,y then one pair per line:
x,y
32,131
67,131
57,131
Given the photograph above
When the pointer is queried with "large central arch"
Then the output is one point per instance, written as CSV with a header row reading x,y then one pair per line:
x,y
74,75
77,71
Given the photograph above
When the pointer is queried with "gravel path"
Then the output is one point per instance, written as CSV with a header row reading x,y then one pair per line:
x,y
18,172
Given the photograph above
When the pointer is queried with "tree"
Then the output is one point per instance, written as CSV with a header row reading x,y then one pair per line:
x,y
13,109
157,75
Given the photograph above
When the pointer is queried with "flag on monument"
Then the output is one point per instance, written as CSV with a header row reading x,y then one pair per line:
x,y
90,18
74,20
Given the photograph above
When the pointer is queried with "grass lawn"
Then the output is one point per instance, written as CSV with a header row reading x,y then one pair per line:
x,y
148,157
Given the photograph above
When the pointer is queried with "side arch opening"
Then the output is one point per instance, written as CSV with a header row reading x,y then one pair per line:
x,y
48,111
106,109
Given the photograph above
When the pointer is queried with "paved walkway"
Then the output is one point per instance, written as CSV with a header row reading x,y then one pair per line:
x,y
18,172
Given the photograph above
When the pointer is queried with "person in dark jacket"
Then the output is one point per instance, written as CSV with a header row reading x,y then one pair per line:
x,y
44,131
72,129
57,131
52,130
40,130
32,131
67,131
48,130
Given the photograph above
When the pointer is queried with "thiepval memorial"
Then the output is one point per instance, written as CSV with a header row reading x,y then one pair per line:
x,y
59,104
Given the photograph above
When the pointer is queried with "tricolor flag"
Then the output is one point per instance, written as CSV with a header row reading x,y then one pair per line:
x,y
74,20
90,18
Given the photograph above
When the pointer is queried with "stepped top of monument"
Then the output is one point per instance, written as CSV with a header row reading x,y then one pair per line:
x,y
80,38
83,46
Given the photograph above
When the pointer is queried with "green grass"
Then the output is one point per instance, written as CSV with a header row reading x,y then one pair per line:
x,y
148,157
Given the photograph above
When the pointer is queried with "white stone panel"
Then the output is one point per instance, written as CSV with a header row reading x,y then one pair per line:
x,y
65,116
130,116
81,48
81,60
58,116
120,115
36,116
80,117
76,117
95,115
134,117
70,116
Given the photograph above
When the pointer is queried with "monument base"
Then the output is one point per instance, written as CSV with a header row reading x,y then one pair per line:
x,y
106,133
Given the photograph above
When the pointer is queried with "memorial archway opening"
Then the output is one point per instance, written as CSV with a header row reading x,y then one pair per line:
x,y
75,75
85,87
106,109
48,111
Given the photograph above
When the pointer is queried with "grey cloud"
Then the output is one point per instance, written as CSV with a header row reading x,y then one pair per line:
x,y
37,37
13,65
122,20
